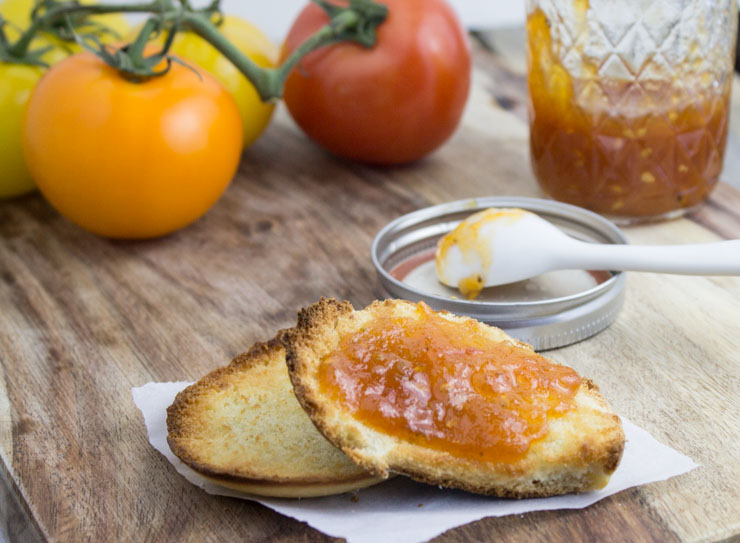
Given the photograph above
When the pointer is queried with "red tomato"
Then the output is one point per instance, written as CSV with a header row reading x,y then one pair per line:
x,y
392,103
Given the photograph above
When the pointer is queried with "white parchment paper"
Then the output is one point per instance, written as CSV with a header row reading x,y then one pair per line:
x,y
402,511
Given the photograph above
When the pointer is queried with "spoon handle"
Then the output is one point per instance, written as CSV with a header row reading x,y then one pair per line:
x,y
718,258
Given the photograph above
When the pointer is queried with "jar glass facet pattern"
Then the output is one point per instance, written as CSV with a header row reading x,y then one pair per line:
x,y
629,101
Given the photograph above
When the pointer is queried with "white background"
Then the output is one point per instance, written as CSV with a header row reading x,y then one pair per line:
x,y
274,17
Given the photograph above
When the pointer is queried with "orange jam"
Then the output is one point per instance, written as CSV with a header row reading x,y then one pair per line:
x,y
643,148
447,386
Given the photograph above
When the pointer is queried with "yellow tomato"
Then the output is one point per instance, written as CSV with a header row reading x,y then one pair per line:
x,y
253,43
125,159
16,82
18,13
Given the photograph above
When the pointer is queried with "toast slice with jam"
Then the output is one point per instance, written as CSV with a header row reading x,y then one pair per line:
x,y
449,401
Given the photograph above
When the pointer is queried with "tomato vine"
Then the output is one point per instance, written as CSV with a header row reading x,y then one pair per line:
x,y
356,21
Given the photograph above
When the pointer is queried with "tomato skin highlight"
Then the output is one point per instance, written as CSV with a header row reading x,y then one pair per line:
x,y
130,160
393,103
253,43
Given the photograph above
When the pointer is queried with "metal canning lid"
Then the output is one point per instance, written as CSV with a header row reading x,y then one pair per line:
x,y
552,310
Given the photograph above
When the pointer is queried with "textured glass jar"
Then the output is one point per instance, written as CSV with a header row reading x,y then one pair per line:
x,y
629,101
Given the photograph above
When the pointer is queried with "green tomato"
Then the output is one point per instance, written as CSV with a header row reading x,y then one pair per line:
x,y
16,83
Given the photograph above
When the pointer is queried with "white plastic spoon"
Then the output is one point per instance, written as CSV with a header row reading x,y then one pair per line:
x,y
500,246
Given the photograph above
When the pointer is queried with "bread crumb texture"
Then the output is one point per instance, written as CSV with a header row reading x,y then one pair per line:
x,y
242,427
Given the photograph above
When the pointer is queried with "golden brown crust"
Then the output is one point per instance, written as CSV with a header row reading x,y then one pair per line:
x,y
297,490
579,454
241,427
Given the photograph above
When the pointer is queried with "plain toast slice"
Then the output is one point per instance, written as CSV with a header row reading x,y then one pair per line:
x,y
579,452
241,427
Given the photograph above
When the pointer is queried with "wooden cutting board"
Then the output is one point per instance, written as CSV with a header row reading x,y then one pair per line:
x,y
84,319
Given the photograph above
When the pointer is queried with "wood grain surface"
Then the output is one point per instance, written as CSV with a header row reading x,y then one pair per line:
x,y
83,320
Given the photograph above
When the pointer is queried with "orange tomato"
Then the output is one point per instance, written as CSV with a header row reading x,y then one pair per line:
x,y
130,159
253,43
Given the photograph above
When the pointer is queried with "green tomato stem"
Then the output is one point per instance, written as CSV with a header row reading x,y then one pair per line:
x,y
327,35
136,50
58,13
355,21
203,27
269,82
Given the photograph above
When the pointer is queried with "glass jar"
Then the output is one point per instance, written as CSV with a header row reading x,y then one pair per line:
x,y
629,101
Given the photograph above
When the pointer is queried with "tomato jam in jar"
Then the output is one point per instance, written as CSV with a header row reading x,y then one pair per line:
x,y
629,102
447,385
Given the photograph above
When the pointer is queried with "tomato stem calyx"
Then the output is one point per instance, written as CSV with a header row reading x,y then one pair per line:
x,y
131,60
371,14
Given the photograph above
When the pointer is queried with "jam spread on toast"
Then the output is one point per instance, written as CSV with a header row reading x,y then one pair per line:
x,y
447,385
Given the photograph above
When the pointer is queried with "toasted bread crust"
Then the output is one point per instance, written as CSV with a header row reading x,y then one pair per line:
x,y
581,450
200,425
